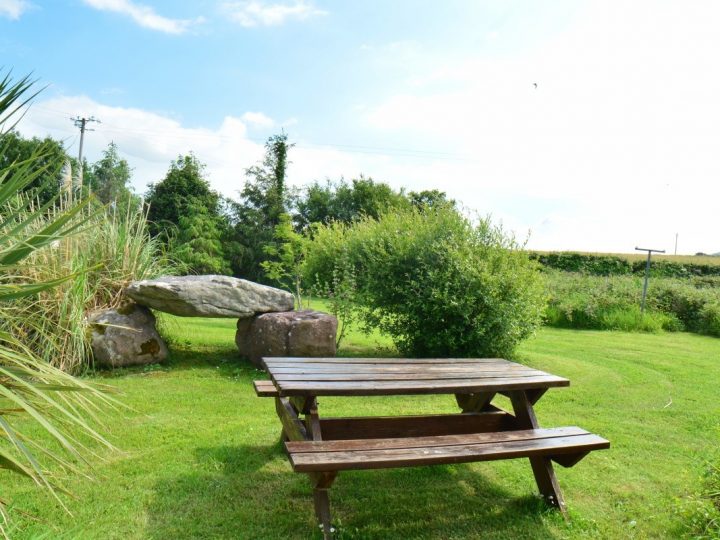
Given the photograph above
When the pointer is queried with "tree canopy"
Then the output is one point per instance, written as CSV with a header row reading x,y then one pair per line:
x,y
109,179
48,157
183,189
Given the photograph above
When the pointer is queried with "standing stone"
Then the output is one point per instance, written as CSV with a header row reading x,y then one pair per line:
x,y
293,333
125,336
242,335
209,296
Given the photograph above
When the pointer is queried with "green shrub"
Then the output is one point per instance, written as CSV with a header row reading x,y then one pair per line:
x,y
601,265
697,308
439,285
616,265
607,303
710,319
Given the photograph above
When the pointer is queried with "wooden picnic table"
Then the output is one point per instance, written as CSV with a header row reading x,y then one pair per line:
x,y
321,446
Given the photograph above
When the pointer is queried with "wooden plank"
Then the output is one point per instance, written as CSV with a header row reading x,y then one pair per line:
x,y
541,465
373,370
569,460
339,360
399,369
293,428
427,443
397,376
464,453
414,426
474,402
265,389
302,404
312,421
452,386
321,487
369,368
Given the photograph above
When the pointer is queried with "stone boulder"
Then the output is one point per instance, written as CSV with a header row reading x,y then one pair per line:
x,y
209,296
291,333
125,336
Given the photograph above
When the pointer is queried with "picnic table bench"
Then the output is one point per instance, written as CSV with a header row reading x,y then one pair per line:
x,y
323,446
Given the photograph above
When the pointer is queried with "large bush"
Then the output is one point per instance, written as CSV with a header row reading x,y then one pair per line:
x,y
438,284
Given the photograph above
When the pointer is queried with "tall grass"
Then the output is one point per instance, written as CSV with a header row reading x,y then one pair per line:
x,y
109,252
62,407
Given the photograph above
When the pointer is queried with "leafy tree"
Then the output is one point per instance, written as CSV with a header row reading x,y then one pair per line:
x,y
109,179
47,157
183,189
187,214
286,256
429,198
347,202
264,200
198,244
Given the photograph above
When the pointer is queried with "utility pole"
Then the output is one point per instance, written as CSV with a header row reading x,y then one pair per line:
x,y
676,237
647,273
82,122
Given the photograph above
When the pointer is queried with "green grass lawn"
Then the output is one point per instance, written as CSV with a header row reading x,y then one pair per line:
x,y
201,459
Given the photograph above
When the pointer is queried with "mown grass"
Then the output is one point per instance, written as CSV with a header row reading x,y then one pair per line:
x,y
201,457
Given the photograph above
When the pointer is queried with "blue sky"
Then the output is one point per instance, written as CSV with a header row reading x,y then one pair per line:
x,y
616,146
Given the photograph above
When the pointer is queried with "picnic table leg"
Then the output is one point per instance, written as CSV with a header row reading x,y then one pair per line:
x,y
321,487
541,466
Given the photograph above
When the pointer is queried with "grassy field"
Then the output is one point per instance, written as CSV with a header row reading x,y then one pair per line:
x,y
201,459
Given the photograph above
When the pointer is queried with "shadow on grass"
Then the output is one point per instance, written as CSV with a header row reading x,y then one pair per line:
x,y
250,492
227,362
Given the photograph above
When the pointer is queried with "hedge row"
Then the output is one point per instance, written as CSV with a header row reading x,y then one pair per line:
x,y
582,301
617,265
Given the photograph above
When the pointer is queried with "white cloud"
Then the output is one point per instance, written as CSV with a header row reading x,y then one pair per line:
x,y
257,119
617,145
258,13
150,141
13,9
145,16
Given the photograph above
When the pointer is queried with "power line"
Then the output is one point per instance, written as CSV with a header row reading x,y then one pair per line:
x,y
352,148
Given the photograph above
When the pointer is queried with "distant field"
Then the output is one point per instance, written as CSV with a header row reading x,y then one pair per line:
x,y
711,260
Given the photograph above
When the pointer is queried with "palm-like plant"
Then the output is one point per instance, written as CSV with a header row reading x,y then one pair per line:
x,y
59,404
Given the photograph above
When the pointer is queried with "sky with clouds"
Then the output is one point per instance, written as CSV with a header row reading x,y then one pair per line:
x,y
591,126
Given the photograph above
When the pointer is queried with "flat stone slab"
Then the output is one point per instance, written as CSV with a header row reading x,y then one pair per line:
x,y
209,296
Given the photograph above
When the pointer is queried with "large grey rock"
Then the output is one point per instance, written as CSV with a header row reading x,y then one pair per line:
x,y
125,336
209,296
291,333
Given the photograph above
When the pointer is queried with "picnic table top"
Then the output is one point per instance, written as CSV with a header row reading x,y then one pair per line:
x,y
397,376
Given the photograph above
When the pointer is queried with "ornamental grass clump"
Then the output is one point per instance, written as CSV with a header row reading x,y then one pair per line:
x,y
111,250
436,282
46,415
